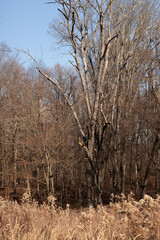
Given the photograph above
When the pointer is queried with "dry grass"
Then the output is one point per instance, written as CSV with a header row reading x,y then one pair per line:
x,y
126,219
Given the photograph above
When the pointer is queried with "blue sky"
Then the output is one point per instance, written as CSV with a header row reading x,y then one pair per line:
x,y
24,25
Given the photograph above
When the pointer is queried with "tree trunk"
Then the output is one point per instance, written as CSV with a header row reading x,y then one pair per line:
x,y
98,189
157,181
14,166
130,168
27,180
89,178
123,174
137,180
154,149
157,170
38,188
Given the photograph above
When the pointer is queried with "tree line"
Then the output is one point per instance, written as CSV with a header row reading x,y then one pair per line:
x,y
84,132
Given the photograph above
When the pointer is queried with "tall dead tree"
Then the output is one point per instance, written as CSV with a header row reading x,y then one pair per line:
x,y
88,27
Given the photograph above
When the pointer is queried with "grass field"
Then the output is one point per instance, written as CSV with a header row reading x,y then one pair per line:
x,y
127,219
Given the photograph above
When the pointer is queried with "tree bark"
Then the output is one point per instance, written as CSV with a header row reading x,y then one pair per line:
x,y
155,148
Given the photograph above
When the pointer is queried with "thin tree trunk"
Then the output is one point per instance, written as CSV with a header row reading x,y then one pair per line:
x,y
27,180
130,168
154,149
14,166
137,180
38,188
123,174
157,180
157,170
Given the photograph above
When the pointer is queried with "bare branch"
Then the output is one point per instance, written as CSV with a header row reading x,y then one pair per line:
x,y
49,2
127,14
107,43
63,13
93,35
59,88
94,6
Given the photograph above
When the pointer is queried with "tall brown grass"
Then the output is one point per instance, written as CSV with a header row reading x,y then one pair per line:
x,y
127,219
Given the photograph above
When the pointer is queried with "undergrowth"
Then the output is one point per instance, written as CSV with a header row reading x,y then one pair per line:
x,y
126,219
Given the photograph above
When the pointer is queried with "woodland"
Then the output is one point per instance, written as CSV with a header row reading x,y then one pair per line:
x,y
84,132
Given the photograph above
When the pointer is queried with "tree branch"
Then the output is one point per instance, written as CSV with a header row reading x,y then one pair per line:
x,y
59,88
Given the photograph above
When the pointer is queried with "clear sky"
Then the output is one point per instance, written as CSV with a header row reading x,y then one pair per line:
x,y
24,25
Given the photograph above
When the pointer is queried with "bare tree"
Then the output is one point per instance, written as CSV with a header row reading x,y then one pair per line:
x,y
106,40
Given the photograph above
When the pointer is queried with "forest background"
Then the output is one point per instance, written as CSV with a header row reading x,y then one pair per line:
x,y
83,132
